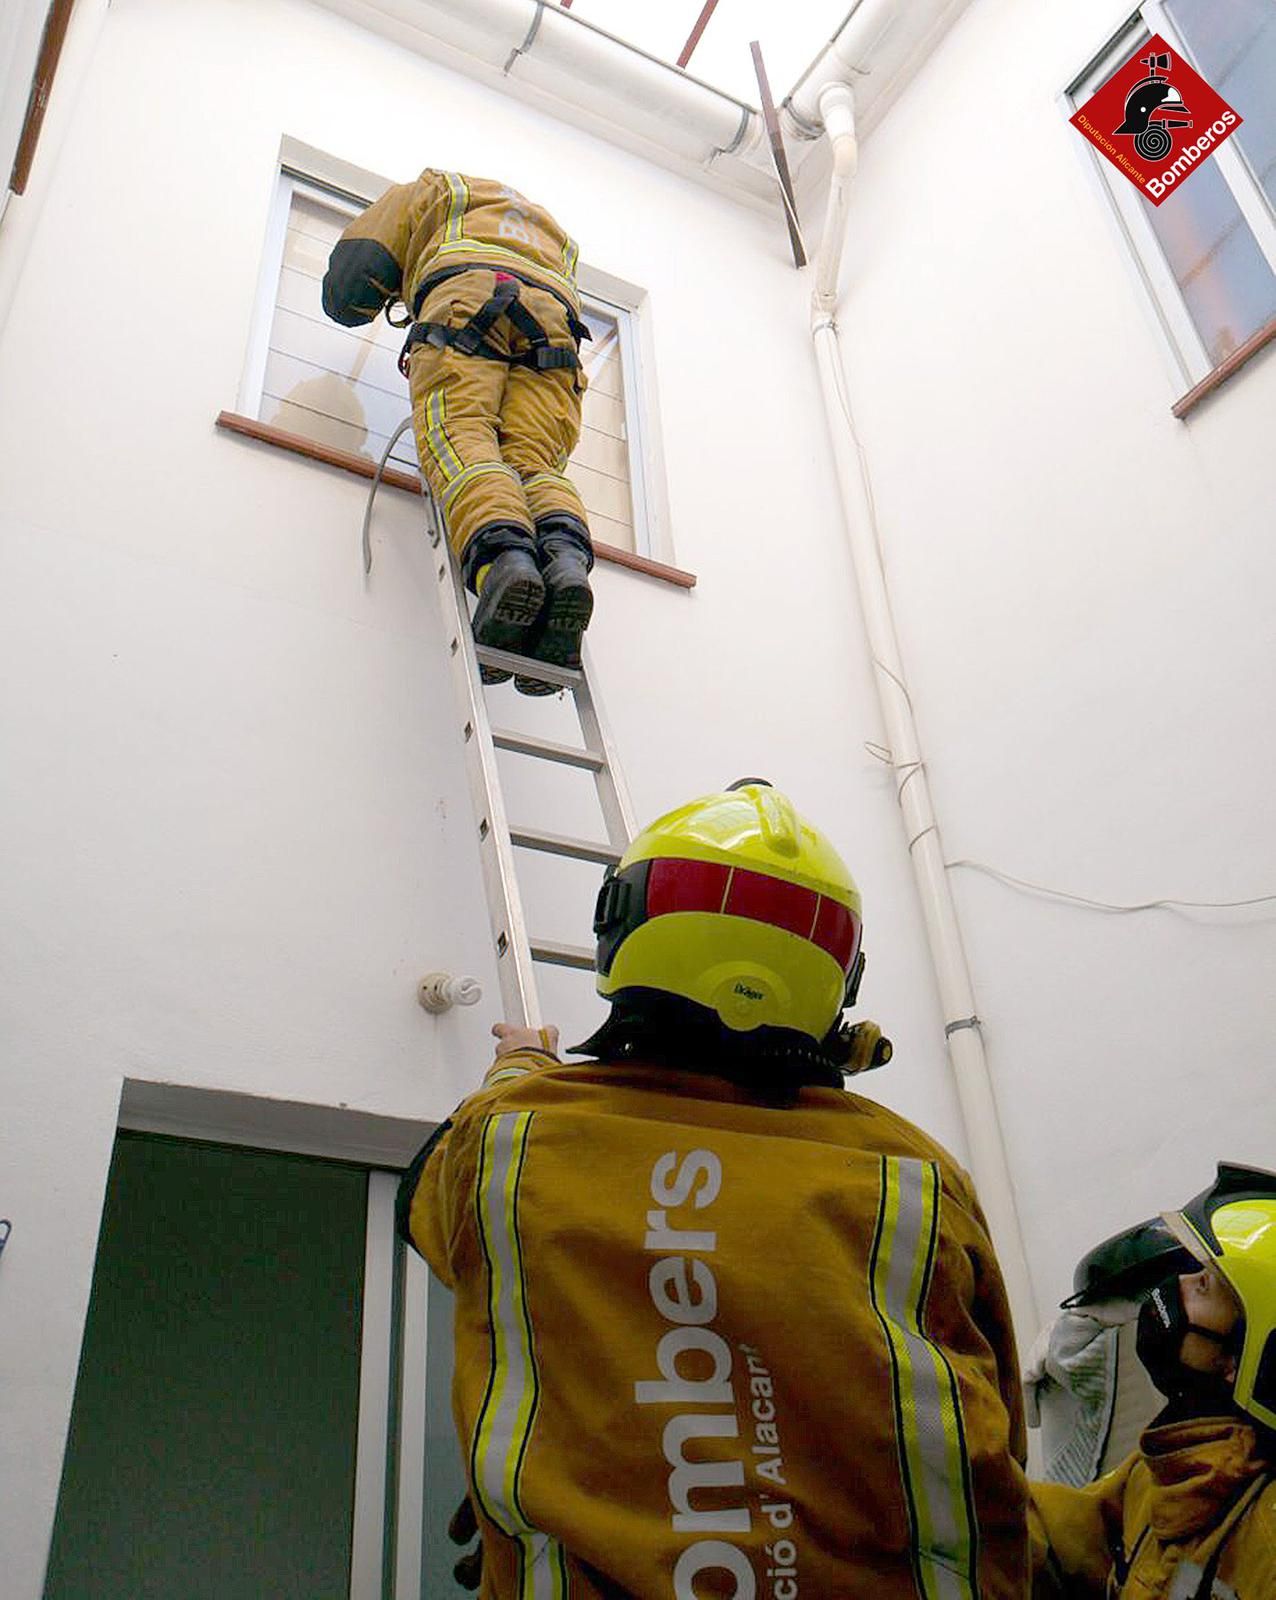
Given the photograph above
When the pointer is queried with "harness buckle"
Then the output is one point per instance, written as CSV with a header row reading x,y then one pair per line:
x,y
468,340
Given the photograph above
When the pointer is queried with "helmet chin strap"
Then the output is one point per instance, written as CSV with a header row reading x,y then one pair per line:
x,y
853,980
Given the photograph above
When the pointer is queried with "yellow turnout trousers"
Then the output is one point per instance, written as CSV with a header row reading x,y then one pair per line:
x,y
494,439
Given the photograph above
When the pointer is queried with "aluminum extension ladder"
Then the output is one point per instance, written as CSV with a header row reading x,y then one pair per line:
x,y
517,951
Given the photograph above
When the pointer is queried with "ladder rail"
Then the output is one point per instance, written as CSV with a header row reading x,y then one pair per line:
x,y
515,950
613,795
512,945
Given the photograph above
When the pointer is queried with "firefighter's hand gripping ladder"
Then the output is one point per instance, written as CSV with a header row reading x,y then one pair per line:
x,y
516,950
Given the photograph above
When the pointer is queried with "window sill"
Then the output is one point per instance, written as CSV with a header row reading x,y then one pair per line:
x,y
394,478
1225,369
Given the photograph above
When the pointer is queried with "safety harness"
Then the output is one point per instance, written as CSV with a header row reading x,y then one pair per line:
x,y
472,339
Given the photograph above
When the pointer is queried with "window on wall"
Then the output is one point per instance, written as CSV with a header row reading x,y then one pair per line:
x,y
1207,254
341,386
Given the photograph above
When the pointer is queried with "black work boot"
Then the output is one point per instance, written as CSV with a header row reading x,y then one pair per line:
x,y
566,556
510,600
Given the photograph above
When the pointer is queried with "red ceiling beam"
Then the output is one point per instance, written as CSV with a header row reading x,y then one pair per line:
x,y
693,38
772,122
55,27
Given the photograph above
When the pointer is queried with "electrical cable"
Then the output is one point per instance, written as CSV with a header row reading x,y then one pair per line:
x,y
1164,903
912,768
372,493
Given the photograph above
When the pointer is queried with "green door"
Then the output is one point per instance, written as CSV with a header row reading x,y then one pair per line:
x,y
212,1446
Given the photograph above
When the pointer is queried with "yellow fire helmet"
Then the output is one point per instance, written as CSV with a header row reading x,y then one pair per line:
x,y
1232,1227
735,903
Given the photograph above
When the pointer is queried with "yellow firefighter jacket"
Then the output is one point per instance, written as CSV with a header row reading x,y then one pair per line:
x,y
442,223
1191,1515
709,1347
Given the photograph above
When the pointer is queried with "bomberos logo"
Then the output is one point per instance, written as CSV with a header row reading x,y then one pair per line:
x,y
1156,120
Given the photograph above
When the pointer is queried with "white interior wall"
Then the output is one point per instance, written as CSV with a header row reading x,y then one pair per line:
x,y
1082,588
236,823
236,827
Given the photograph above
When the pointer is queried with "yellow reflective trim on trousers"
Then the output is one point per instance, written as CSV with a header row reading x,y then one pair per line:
x,y
933,1463
453,228
498,255
504,1428
441,447
467,475
549,477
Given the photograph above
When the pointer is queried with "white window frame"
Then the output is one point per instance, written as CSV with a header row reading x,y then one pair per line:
x,y
1188,360
310,172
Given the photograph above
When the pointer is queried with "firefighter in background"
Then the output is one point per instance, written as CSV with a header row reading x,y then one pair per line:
x,y
722,1327
1084,1385
1191,1515
492,361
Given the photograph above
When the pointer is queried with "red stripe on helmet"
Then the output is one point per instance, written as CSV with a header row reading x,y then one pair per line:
x,y
765,899
680,885
837,930
674,885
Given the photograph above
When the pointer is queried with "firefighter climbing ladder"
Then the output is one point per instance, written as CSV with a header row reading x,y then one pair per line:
x,y
517,951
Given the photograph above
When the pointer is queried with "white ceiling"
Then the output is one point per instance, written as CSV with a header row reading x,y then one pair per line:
x,y
791,32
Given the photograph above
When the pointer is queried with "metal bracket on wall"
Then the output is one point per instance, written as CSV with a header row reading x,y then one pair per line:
x,y
6,1228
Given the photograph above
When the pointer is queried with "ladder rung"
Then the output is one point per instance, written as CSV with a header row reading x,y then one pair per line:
x,y
525,744
525,667
559,844
563,955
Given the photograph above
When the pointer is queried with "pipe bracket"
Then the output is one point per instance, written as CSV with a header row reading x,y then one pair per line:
x,y
951,1028
746,116
522,49
803,126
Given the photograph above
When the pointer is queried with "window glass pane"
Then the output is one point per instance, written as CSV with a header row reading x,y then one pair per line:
x,y
338,385
1233,43
212,1446
600,464
1224,277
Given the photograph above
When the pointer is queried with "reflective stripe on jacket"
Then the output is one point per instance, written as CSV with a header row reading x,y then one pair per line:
x,y
1192,1511
704,1345
441,222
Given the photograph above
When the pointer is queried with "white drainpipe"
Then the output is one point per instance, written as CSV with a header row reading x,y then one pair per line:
x,y
961,1023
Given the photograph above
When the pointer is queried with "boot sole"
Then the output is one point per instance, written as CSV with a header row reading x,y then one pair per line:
x,y
507,619
567,614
